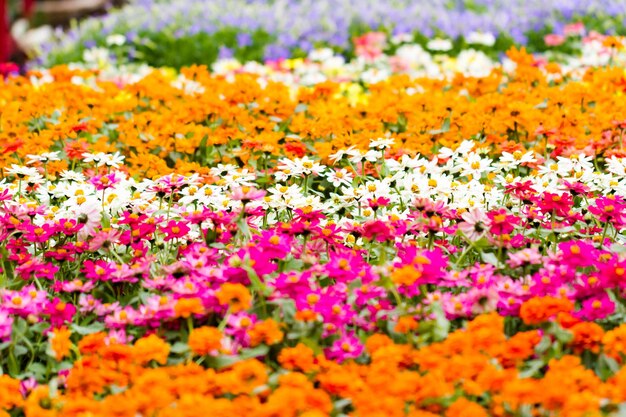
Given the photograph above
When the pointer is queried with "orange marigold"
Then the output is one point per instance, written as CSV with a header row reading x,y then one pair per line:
x,y
205,340
377,341
92,343
236,296
267,332
60,342
185,307
9,393
587,336
406,324
407,275
540,309
614,341
464,407
300,357
151,348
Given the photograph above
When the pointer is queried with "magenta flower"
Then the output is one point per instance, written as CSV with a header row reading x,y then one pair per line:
x,y
39,234
273,244
596,307
348,346
103,182
99,270
60,312
175,230
68,227
500,222
6,326
610,209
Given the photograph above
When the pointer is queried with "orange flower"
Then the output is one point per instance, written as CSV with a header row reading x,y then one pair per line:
x,y
151,348
205,340
463,407
9,393
236,296
407,275
300,357
267,332
406,324
185,307
92,343
244,377
587,336
540,309
614,342
376,342
60,342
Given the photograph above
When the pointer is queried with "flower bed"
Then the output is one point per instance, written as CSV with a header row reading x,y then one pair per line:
x,y
261,244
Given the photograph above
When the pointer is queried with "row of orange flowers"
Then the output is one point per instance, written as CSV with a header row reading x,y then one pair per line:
x,y
476,371
165,124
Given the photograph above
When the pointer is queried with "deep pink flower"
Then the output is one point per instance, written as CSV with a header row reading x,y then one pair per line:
x,y
348,346
596,307
501,222
68,227
39,234
99,270
377,230
60,312
175,230
103,182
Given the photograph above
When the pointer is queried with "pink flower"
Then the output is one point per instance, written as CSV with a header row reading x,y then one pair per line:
x,y
553,39
104,239
27,385
6,326
69,227
99,270
557,204
39,234
529,256
596,307
610,209
103,182
60,312
348,346
370,46
246,194
174,230
574,29
501,222
274,245
475,223
377,230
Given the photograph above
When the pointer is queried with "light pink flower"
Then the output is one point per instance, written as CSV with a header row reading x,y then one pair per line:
x,y
553,39
475,223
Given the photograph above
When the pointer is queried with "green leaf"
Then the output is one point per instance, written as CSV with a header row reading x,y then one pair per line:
x,y
532,367
179,347
544,344
489,258
260,350
37,370
94,327
441,324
